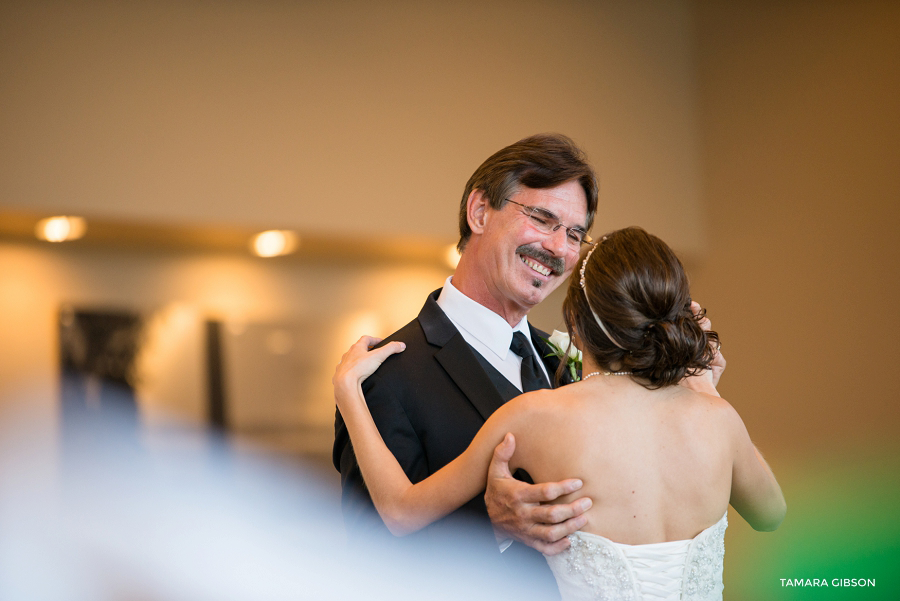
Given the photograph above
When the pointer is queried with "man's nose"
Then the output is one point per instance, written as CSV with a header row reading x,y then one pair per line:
x,y
556,242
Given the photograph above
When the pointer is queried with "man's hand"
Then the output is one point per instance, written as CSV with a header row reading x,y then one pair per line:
x,y
517,511
709,379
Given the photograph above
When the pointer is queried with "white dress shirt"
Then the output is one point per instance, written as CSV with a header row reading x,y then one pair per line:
x,y
487,332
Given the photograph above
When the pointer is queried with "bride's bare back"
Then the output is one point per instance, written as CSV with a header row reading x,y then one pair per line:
x,y
657,463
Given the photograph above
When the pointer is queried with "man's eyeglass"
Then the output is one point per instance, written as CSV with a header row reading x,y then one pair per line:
x,y
546,222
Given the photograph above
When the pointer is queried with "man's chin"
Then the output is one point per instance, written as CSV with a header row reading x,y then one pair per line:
x,y
534,281
538,289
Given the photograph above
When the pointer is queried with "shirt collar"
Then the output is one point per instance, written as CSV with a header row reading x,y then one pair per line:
x,y
480,322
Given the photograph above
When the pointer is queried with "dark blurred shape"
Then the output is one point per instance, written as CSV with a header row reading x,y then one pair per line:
x,y
216,403
97,354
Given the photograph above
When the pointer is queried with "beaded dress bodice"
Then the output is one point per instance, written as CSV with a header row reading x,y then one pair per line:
x,y
595,568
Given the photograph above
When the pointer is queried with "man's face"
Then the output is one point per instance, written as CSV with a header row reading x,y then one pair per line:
x,y
525,265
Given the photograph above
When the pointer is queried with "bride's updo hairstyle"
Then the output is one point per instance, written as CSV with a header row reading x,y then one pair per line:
x,y
630,307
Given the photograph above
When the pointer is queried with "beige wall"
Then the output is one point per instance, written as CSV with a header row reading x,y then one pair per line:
x,y
800,133
801,148
274,113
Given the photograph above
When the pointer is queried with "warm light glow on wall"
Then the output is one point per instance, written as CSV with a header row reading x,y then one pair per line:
x,y
60,229
279,342
452,256
274,243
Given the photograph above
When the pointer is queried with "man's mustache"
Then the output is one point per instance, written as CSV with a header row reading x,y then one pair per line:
x,y
556,265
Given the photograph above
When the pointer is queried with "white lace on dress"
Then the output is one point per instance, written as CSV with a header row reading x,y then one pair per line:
x,y
595,568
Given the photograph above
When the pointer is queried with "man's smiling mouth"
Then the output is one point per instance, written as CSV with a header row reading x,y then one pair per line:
x,y
545,271
540,261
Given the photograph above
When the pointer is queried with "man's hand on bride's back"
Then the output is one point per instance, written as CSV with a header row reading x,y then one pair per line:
x,y
518,510
358,363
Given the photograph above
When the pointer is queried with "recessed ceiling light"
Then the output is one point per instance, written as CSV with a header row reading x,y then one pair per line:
x,y
60,228
274,243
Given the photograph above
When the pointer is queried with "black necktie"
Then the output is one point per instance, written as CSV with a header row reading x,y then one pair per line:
x,y
532,374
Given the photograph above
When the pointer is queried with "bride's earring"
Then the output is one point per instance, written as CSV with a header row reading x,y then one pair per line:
x,y
576,341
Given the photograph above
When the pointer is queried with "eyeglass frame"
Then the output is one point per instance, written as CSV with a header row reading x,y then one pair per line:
x,y
529,211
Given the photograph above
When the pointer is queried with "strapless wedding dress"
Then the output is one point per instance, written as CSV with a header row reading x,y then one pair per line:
x,y
595,568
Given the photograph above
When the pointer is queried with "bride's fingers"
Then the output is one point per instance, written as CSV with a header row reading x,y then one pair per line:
x,y
387,350
358,363
705,323
367,342
360,351
359,348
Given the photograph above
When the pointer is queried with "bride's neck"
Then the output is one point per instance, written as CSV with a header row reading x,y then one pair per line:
x,y
589,366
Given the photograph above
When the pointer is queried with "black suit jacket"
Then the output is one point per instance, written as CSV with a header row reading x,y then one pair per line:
x,y
428,403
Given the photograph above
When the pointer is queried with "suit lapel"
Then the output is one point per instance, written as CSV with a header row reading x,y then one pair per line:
x,y
458,359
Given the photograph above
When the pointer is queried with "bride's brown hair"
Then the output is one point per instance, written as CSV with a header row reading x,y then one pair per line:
x,y
639,292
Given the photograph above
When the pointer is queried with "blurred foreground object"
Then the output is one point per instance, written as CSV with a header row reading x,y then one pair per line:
x,y
105,517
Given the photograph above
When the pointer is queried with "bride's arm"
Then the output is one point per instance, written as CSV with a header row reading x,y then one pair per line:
x,y
755,492
405,507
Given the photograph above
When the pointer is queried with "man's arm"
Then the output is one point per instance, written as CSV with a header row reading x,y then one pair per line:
x,y
518,510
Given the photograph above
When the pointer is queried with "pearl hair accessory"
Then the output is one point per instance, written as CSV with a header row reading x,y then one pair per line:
x,y
596,317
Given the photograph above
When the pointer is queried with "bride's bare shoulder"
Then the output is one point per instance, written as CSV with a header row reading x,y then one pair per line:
x,y
536,403
701,401
534,400
520,412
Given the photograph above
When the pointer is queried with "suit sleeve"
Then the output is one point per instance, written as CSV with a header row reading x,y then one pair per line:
x,y
383,398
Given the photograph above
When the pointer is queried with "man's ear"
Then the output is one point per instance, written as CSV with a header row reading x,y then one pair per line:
x,y
477,207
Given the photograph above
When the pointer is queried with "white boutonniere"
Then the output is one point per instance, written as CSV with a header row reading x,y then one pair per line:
x,y
559,345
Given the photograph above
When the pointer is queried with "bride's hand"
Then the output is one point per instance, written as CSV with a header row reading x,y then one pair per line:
x,y
717,367
707,380
358,363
